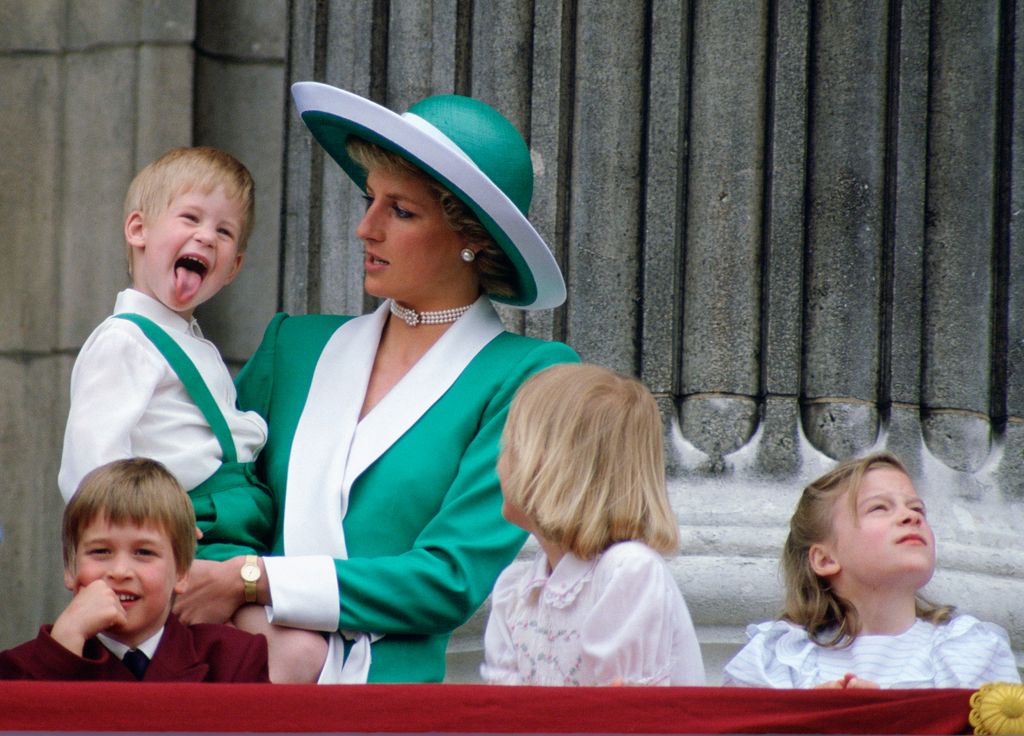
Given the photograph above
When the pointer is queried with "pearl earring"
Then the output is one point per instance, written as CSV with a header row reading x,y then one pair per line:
x,y
468,255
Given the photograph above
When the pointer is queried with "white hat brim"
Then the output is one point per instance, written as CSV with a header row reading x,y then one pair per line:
x,y
334,114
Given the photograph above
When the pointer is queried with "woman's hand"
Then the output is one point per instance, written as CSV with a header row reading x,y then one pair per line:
x,y
214,592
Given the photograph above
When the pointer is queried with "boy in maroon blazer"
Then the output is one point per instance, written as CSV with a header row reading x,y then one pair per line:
x,y
129,536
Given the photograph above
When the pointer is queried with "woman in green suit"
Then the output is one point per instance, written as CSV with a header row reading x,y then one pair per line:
x,y
384,428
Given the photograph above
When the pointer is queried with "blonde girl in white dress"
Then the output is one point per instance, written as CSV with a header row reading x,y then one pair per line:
x,y
859,550
582,469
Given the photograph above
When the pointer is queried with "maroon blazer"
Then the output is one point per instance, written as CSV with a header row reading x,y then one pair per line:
x,y
198,653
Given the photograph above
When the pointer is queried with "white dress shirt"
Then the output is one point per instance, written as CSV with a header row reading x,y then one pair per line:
x,y
618,618
118,649
963,653
127,401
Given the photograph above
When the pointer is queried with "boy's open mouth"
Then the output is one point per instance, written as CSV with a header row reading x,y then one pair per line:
x,y
189,273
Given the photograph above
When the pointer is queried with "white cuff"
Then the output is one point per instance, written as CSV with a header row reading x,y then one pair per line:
x,y
304,591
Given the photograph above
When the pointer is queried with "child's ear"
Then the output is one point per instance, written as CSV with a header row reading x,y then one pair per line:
x,y
239,257
822,561
135,230
182,585
69,579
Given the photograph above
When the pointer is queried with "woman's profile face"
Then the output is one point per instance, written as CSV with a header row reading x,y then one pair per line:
x,y
411,254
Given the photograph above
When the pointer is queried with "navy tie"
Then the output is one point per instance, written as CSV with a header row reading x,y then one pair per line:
x,y
137,661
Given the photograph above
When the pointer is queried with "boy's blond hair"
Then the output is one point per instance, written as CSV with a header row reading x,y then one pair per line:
x,y
185,169
830,619
584,460
136,491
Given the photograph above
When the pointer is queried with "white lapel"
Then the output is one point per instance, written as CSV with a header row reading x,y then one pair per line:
x,y
422,386
314,507
332,447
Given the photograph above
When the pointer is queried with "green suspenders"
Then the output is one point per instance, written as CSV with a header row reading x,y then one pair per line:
x,y
233,508
193,382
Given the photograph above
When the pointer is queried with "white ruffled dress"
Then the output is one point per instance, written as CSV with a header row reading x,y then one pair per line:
x,y
963,653
615,619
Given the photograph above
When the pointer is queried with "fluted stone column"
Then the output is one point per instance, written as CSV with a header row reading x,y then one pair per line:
x,y
721,345
962,256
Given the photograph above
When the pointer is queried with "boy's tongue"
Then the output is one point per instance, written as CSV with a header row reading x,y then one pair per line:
x,y
186,284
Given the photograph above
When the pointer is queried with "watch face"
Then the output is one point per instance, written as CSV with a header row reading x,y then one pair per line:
x,y
251,573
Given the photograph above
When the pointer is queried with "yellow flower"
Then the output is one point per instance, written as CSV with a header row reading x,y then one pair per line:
x,y
998,708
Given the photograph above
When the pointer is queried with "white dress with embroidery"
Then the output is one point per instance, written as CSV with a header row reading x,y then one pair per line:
x,y
618,618
963,653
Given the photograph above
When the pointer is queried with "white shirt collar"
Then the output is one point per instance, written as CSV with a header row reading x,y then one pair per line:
x,y
132,300
119,650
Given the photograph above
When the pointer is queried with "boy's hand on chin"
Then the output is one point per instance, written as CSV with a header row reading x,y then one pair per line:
x,y
213,593
94,608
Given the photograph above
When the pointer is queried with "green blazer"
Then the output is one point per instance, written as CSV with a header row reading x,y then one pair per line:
x,y
422,527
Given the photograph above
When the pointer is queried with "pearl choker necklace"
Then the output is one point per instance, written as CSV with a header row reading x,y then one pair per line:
x,y
441,317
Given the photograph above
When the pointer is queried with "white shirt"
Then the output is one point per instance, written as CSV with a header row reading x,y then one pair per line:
x,y
963,653
127,401
617,618
118,649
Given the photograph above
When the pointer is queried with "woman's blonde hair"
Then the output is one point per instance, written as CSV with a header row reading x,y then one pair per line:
x,y
185,169
583,459
496,272
138,492
830,619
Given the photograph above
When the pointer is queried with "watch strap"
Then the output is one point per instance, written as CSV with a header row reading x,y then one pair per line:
x,y
249,585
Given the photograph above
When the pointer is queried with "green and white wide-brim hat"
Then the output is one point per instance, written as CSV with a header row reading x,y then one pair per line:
x,y
470,148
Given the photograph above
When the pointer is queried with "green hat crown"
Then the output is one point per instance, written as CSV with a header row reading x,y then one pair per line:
x,y
487,138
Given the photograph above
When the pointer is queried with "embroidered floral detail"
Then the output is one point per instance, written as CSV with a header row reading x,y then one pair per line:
x,y
533,663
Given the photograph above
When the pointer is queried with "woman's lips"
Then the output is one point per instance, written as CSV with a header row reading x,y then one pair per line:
x,y
373,262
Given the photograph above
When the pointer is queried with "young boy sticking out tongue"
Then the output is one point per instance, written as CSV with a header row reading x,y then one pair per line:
x,y
146,383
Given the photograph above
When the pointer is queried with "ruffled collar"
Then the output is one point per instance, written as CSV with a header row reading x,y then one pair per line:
x,y
794,648
561,586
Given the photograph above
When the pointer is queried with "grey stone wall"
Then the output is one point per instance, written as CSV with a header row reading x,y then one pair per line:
x,y
796,221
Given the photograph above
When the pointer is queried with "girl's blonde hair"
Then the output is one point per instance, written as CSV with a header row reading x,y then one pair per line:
x,y
138,492
583,459
830,619
496,272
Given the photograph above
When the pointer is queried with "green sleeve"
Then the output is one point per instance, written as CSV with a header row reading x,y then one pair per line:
x,y
255,381
439,582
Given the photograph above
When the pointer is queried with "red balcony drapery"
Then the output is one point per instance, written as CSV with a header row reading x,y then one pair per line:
x,y
64,706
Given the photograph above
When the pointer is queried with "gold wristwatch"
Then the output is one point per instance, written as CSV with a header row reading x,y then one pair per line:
x,y
250,576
